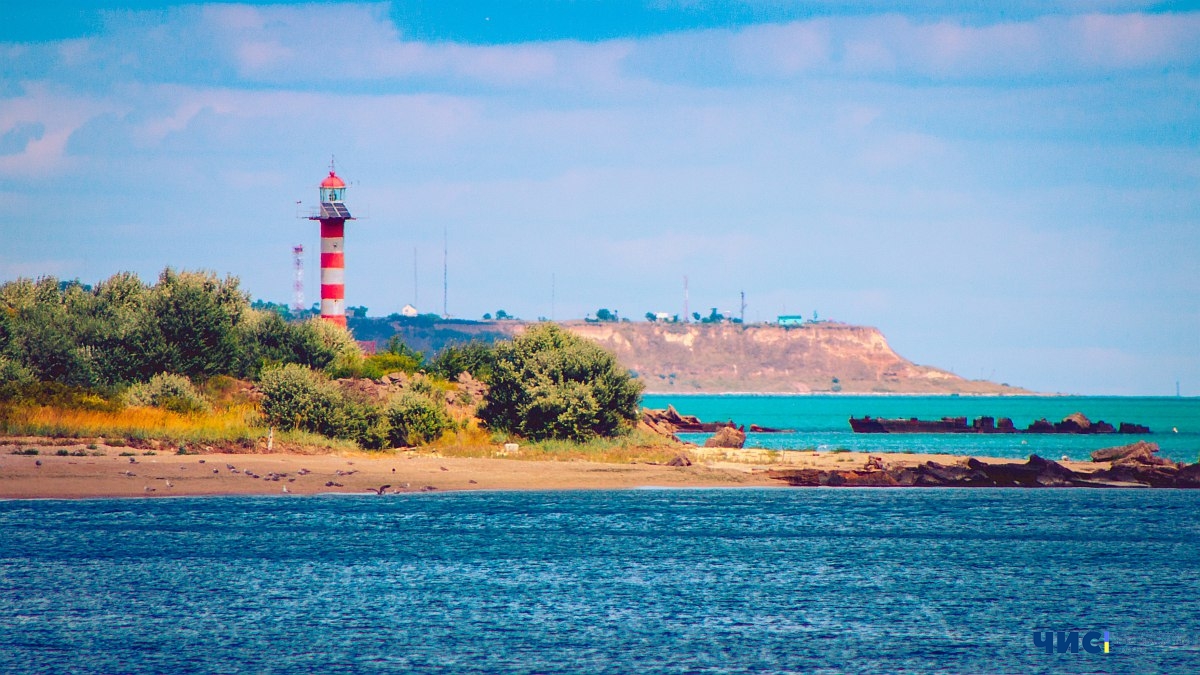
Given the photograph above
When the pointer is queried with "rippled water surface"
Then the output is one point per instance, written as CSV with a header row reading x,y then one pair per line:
x,y
646,581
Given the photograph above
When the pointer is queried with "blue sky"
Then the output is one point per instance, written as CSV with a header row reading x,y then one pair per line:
x,y
1009,190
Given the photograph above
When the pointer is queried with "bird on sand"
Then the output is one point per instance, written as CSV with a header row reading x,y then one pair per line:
x,y
170,484
379,490
285,490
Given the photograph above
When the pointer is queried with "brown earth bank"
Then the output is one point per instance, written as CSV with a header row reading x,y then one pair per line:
x,y
714,358
104,471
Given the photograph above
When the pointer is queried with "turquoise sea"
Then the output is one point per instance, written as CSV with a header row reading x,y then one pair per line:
x,y
638,581
822,422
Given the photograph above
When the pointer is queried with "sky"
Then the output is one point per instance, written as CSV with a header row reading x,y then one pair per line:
x,y
1007,190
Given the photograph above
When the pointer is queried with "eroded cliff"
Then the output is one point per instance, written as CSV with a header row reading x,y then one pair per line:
x,y
761,358
709,358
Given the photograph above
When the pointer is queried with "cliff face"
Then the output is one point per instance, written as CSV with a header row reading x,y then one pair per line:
x,y
811,358
710,358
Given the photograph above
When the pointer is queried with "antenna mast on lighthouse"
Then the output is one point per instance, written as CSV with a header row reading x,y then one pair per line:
x,y
298,282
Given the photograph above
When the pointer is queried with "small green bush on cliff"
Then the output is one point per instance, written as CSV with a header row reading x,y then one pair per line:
x,y
167,391
549,383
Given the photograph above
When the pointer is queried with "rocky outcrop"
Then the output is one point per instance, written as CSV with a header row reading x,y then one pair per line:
x,y
1141,452
673,422
726,437
1037,472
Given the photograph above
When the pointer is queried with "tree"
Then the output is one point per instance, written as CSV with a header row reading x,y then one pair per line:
x,y
651,317
267,339
487,316
549,383
189,324
476,358
603,314
501,315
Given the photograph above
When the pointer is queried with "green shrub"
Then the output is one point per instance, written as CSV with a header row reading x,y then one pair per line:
x,y
416,419
27,451
269,340
361,421
476,358
296,398
16,373
167,391
549,383
63,452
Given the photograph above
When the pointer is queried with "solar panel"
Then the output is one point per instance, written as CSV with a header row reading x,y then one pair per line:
x,y
334,210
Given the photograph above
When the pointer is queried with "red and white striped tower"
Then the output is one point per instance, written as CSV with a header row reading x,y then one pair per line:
x,y
333,216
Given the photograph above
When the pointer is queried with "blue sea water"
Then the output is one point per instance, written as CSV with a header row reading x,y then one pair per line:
x,y
639,581
822,422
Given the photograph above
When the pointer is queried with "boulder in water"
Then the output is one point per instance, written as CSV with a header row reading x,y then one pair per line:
x,y
726,437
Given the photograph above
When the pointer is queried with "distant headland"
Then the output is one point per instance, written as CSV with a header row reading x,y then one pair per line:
x,y
700,358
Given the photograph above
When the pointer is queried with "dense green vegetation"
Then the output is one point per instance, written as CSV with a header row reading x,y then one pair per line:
x,y
549,383
181,344
123,331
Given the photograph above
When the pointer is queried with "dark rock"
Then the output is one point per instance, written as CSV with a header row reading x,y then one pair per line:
x,y
932,473
1140,452
797,477
1188,476
680,460
833,479
1040,427
868,478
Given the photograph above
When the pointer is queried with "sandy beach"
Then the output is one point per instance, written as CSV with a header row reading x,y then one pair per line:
x,y
112,472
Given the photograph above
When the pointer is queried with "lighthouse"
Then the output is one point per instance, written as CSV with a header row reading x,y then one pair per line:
x,y
333,215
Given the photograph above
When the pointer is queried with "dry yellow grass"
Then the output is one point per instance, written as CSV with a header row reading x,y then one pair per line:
x,y
229,424
237,427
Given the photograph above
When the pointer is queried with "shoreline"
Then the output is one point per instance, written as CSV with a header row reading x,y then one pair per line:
x,y
118,472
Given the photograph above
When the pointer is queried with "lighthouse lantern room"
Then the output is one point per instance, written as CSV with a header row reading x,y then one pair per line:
x,y
333,215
